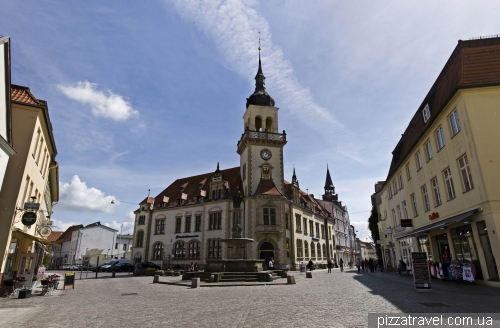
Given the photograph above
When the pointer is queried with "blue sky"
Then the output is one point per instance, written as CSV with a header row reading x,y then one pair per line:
x,y
142,93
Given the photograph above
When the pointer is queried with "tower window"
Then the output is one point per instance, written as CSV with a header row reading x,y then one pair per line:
x,y
258,124
269,124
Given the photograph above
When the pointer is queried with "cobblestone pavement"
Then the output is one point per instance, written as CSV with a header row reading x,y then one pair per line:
x,y
327,300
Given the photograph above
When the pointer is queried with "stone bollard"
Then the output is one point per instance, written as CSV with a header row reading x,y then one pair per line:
x,y
113,275
211,279
290,280
309,274
195,283
156,279
269,277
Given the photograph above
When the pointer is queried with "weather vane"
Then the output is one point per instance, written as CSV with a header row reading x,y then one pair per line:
x,y
259,41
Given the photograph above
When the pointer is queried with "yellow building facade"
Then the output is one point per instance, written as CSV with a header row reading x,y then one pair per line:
x,y
31,177
442,194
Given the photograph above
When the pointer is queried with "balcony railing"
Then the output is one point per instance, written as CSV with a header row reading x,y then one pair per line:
x,y
263,135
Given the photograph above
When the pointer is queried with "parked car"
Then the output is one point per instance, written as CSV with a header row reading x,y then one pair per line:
x,y
66,267
121,267
145,265
108,265
99,268
76,267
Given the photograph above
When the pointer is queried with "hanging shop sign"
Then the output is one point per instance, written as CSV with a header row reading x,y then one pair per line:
x,y
407,223
433,216
421,275
28,218
31,206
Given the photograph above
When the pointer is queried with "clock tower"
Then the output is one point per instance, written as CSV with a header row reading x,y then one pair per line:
x,y
261,145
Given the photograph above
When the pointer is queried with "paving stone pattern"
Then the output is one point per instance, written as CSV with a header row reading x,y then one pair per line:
x,y
338,299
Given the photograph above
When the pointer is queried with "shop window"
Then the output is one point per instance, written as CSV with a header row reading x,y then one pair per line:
x,y
194,250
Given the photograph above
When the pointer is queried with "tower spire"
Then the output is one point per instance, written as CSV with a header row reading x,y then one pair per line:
x,y
260,97
329,187
295,182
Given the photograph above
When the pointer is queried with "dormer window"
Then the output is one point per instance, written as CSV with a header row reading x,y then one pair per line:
x,y
426,113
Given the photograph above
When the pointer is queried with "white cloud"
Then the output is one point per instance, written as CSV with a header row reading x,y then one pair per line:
x,y
58,225
234,26
126,226
76,196
103,103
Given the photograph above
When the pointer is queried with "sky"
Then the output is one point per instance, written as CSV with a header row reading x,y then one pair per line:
x,y
143,93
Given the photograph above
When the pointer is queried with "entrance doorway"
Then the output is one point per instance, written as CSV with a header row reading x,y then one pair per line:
x,y
266,252
443,248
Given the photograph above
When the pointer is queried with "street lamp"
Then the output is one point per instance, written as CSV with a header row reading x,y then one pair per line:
x,y
107,254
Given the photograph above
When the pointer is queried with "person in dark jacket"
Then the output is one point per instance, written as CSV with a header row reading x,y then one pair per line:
x,y
371,265
341,265
310,265
381,264
330,265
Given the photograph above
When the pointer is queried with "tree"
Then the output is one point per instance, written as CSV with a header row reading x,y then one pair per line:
x,y
373,226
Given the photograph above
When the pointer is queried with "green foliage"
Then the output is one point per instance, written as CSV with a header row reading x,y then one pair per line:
x,y
46,261
373,226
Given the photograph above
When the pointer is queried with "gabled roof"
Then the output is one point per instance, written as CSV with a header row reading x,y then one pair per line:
x,y
22,94
267,187
66,235
54,235
198,186
473,63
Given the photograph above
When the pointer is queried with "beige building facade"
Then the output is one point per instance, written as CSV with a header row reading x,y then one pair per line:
x,y
31,177
442,194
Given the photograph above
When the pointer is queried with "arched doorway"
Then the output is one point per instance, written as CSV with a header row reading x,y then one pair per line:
x,y
266,252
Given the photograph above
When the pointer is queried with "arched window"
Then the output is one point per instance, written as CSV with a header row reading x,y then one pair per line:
x,y
139,239
194,250
313,250
220,193
306,249
269,124
324,251
258,124
157,251
299,248
213,194
180,250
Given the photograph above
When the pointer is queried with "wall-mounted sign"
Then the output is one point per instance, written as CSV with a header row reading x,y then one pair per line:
x,y
186,236
407,223
433,216
28,218
389,230
315,239
31,206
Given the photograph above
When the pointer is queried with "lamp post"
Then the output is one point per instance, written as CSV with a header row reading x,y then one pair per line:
x,y
107,254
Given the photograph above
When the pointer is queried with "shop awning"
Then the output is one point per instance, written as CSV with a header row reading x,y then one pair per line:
x,y
24,235
453,219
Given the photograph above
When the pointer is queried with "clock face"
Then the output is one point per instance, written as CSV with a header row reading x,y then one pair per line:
x,y
265,154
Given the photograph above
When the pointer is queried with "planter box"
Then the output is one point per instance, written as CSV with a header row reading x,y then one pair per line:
x,y
177,273
169,273
24,294
150,273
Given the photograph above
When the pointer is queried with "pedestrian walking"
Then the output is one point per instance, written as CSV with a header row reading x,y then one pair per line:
x,y
329,264
371,265
381,264
341,265
358,265
310,265
363,265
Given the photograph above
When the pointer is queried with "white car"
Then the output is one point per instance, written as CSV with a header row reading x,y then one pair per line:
x,y
66,267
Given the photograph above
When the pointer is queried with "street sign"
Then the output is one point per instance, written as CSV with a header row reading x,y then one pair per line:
x,y
31,206
28,218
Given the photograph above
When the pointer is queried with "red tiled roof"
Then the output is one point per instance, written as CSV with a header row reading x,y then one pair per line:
x,y
66,235
193,187
473,63
22,94
267,187
54,235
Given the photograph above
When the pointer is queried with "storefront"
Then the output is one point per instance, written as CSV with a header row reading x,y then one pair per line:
x,y
452,248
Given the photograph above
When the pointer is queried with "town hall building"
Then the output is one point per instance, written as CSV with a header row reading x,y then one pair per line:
x,y
186,222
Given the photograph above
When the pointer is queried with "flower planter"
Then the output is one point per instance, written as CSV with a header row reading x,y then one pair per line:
x,y
24,294
169,273
177,273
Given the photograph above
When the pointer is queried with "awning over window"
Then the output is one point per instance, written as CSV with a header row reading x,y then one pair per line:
x,y
454,219
24,235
